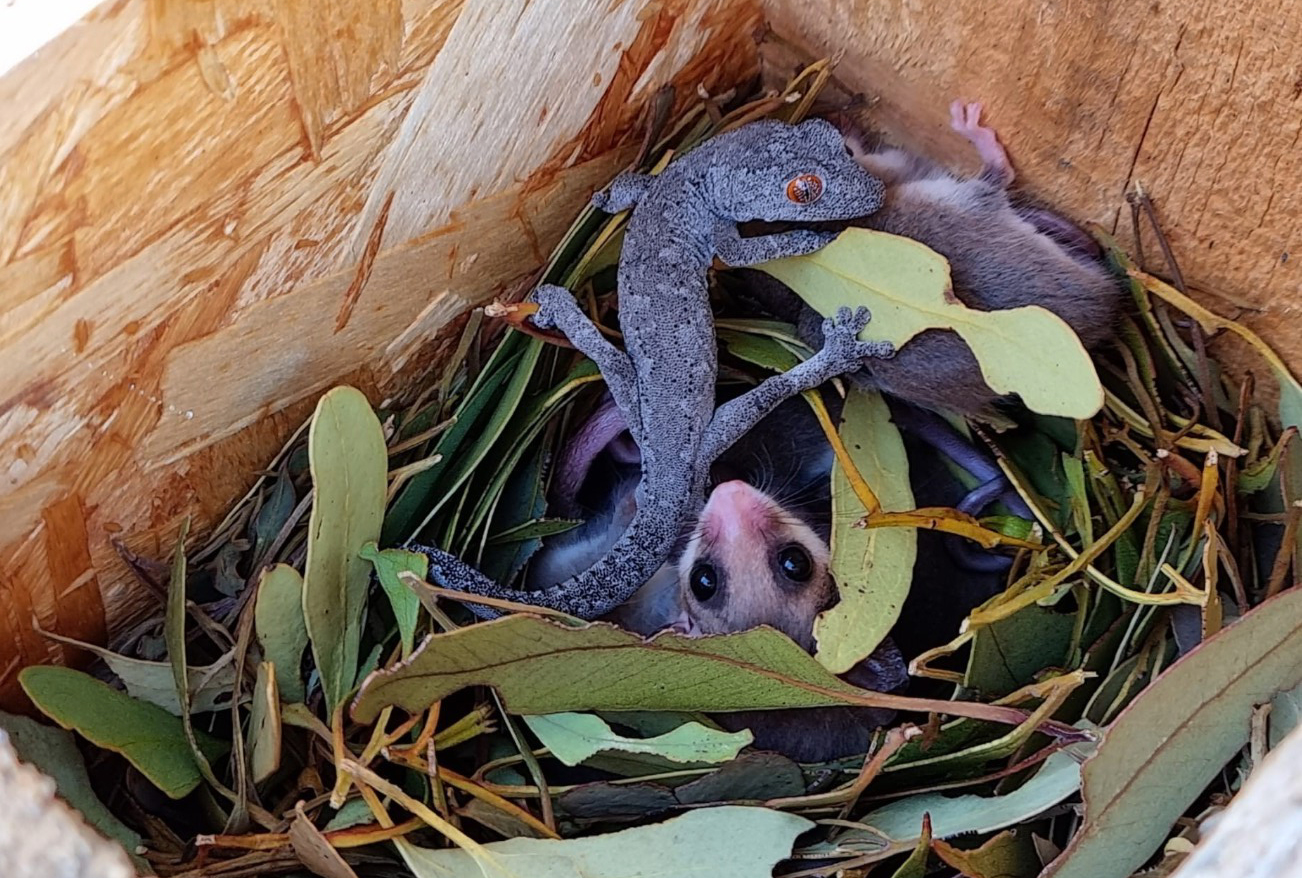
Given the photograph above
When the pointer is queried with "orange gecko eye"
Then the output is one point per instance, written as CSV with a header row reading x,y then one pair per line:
x,y
805,189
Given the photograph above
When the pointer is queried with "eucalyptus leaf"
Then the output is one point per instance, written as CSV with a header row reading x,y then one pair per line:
x,y
1029,351
1173,739
282,632
873,567
540,666
406,606
727,842
149,737
210,686
55,753
349,475
574,737
1058,778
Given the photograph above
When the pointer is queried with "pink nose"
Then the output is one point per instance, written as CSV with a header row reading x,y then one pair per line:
x,y
733,510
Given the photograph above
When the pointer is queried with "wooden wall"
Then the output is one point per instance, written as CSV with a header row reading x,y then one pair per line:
x,y
212,210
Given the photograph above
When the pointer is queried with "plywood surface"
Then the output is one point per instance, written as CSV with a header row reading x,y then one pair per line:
x,y
1199,100
212,210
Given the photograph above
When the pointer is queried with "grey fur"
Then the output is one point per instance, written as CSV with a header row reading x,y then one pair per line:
x,y
664,381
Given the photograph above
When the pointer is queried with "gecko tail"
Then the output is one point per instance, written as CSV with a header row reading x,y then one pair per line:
x,y
627,566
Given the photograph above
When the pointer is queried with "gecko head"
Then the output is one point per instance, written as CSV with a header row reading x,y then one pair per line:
x,y
769,170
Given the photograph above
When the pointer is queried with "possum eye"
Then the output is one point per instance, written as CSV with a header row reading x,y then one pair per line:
x,y
805,188
795,564
703,581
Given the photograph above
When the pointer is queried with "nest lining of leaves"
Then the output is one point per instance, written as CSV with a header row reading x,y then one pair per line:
x,y
1163,517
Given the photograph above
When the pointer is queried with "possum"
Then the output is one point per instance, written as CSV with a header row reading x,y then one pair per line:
x,y
1002,254
758,555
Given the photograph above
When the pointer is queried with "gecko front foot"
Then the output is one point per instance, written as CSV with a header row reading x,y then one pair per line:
x,y
842,348
553,302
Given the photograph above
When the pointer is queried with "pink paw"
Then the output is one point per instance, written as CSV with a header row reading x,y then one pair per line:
x,y
966,120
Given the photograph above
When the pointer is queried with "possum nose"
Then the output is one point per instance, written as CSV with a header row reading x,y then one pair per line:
x,y
735,508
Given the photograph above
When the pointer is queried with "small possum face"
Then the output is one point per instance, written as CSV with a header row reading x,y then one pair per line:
x,y
750,563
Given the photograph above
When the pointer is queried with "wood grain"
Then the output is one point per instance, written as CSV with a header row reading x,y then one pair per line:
x,y
1199,100
212,210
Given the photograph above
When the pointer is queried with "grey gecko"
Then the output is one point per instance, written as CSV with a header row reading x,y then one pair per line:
x,y
664,382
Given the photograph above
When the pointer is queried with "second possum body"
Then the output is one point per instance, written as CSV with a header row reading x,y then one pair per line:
x,y
758,555
1002,254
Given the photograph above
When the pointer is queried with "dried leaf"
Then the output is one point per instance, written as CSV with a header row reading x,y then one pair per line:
x,y
873,567
575,737
314,850
728,842
1028,351
282,633
149,737
210,686
349,468
264,725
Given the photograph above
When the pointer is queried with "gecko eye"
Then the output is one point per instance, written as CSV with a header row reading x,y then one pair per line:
x,y
703,581
805,189
795,564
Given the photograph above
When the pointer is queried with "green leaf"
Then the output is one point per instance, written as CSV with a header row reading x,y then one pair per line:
x,y
1058,778
210,686
264,724
282,633
1011,652
355,812
575,737
349,474
1171,741
873,567
1028,351
916,864
534,528
406,606
55,753
149,737
277,505
468,459
540,666
414,500
758,349
728,842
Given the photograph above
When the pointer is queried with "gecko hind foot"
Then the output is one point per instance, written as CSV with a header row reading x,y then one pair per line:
x,y
966,120
841,343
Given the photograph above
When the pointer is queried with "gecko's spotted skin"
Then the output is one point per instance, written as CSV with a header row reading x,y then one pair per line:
x,y
664,381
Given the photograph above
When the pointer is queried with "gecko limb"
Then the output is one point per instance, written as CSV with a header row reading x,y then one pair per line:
x,y
557,309
625,191
735,250
842,352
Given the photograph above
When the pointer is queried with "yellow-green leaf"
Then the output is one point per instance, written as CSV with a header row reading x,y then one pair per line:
x,y
149,737
349,469
1028,351
873,567
406,606
575,737
264,724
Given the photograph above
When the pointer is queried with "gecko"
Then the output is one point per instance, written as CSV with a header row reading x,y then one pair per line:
x,y
663,381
